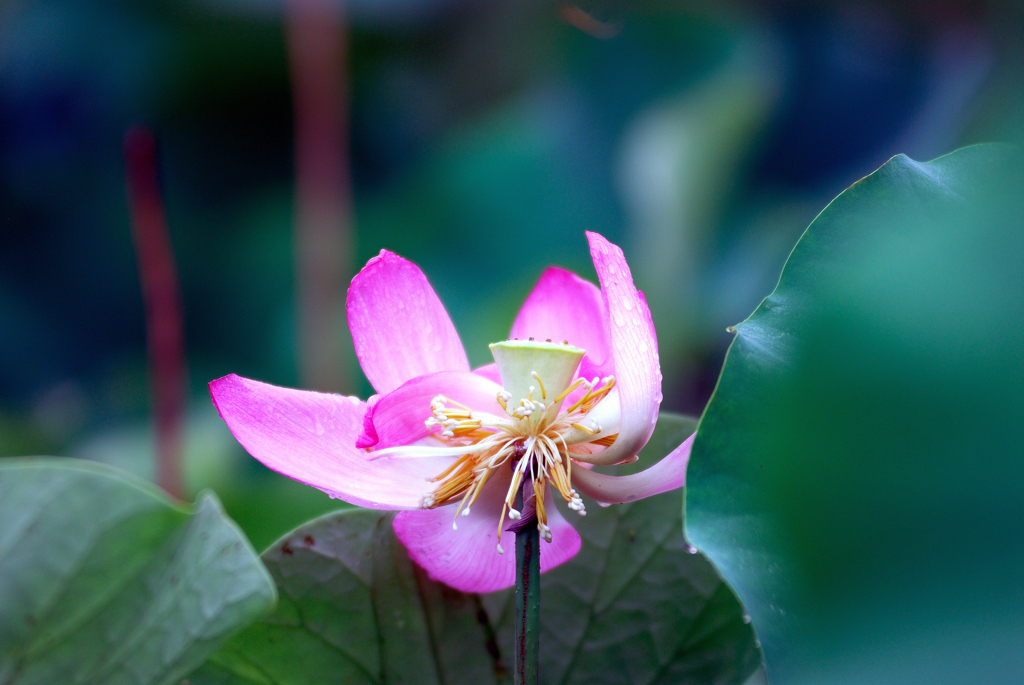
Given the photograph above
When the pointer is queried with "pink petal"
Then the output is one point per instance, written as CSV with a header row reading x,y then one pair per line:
x,y
368,435
399,327
398,417
563,306
467,559
634,349
667,474
310,436
490,372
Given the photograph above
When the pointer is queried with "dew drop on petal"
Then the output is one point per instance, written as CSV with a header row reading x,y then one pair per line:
x,y
619,321
746,618
319,427
626,303
611,268
691,549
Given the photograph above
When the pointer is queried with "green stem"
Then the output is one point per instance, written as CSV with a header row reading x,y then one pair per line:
x,y
527,600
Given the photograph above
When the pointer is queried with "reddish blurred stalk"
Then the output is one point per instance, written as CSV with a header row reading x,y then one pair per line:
x,y
323,199
162,300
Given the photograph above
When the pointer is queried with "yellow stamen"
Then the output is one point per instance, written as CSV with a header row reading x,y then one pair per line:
x,y
538,502
543,392
454,465
592,396
565,393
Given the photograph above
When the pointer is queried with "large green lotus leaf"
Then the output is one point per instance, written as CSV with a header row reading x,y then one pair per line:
x,y
857,475
636,605
104,581
355,609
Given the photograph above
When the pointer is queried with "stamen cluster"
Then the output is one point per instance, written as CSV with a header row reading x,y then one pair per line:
x,y
532,437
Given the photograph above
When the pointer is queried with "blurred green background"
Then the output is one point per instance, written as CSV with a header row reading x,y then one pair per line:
x,y
485,137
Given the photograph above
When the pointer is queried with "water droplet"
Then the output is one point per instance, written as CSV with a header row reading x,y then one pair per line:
x,y
619,321
691,549
319,426
643,347
611,268
746,618
627,304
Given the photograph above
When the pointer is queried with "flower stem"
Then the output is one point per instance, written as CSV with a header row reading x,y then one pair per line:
x,y
527,632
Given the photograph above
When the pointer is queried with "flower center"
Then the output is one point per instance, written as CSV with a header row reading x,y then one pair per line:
x,y
534,436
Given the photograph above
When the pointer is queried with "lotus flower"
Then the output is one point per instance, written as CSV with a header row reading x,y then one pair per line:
x,y
577,384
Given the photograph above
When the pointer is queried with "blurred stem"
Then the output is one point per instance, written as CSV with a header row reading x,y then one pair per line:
x,y
316,37
527,633
161,296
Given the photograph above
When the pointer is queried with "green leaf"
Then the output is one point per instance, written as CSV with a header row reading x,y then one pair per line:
x,y
636,605
857,473
104,580
355,609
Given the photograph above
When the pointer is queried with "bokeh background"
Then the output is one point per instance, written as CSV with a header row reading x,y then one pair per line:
x,y
479,139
